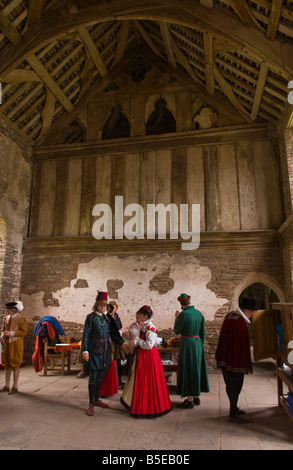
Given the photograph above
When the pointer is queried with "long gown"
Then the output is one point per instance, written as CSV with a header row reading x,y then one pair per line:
x,y
109,385
145,394
192,377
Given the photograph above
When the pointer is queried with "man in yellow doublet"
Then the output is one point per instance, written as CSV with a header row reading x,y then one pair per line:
x,y
13,330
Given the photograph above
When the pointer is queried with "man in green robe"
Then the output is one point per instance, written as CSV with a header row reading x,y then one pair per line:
x,y
192,378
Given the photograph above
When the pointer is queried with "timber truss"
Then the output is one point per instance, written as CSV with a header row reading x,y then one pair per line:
x,y
57,56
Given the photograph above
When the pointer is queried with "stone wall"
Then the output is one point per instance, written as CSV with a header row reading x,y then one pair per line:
x,y
65,285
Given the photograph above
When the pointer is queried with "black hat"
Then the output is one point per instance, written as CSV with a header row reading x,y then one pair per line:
x,y
18,305
248,303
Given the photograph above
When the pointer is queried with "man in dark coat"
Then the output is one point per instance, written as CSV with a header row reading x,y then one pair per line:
x,y
99,330
233,353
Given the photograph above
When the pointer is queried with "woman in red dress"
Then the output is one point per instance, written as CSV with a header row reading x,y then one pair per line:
x,y
145,394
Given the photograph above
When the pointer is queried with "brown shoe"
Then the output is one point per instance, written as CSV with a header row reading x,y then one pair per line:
x,y
90,411
13,391
101,404
5,389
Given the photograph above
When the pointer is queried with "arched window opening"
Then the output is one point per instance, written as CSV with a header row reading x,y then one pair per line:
x,y
117,126
161,121
263,295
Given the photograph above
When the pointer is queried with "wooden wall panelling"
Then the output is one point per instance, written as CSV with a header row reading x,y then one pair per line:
x,y
47,199
179,176
163,180
228,188
211,173
183,111
94,122
147,181
137,120
35,200
103,180
268,199
132,179
246,185
163,177
132,189
87,194
73,198
195,183
179,180
118,180
61,198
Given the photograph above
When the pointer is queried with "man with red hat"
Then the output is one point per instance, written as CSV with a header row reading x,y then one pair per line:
x,y
99,330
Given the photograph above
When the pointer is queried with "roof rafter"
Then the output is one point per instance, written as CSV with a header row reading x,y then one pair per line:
x,y
232,51
168,43
64,120
185,12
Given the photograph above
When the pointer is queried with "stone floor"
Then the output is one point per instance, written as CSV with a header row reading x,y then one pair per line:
x,y
49,413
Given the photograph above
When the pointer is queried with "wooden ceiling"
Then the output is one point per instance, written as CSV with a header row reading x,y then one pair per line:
x,y
58,56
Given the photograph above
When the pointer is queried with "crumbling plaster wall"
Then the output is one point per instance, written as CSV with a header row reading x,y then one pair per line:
x,y
132,281
65,285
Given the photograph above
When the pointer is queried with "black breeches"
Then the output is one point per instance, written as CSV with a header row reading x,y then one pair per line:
x,y
234,383
95,382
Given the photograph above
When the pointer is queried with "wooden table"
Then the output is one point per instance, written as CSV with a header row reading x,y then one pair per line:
x,y
172,368
60,351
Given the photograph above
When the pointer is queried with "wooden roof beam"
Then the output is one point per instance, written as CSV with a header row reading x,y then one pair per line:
x,y
92,50
274,19
183,12
277,54
168,43
19,76
35,11
228,91
148,39
122,38
207,3
223,104
260,87
209,62
244,13
65,119
36,64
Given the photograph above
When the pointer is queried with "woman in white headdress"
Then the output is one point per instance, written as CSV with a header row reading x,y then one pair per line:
x,y
13,330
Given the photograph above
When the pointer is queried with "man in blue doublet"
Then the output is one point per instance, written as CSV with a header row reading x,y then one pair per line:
x,y
99,330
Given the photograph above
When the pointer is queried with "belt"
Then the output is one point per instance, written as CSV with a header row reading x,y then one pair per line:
x,y
181,336
105,348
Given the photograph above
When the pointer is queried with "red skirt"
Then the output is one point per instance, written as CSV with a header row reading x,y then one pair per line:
x,y
109,385
150,396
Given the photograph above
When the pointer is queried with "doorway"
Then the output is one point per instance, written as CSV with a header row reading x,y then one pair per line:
x,y
263,294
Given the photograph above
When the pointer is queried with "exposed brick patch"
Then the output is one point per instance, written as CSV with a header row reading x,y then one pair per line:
x,y
49,300
81,284
113,285
162,283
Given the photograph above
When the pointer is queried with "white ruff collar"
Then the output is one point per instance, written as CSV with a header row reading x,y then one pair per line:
x,y
242,314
